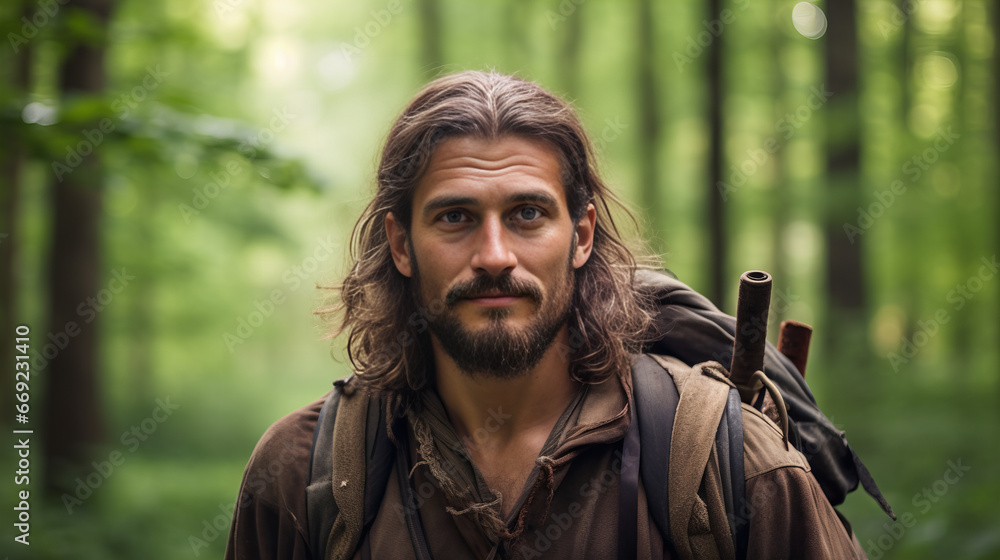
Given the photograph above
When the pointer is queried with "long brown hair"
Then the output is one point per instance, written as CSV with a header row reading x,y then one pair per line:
x,y
388,343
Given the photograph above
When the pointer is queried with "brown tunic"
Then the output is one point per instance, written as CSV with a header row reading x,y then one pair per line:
x,y
790,517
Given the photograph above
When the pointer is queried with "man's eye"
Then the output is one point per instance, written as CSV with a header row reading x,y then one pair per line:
x,y
529,213
452,217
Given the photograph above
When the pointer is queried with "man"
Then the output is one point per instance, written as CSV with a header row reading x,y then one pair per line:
x,y
492,309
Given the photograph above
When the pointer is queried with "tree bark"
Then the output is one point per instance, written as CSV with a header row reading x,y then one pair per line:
x,y
718,247
431,57
783,198
844,269
13,162
569,66
73,425
649,122
996,138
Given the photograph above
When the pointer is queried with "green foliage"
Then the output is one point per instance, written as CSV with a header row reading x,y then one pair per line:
x,y
240,150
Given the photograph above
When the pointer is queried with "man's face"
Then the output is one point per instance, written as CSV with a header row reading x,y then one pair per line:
x,y
496,245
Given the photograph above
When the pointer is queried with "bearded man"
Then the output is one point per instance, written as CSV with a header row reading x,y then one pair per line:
x,y
494,318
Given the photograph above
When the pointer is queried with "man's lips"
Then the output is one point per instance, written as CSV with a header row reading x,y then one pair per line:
x,y
494,300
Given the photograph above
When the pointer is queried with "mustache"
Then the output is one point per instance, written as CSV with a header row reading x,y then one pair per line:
x,y
505,285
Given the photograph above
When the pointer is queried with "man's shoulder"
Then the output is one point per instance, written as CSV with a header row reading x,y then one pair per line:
x,y
278,468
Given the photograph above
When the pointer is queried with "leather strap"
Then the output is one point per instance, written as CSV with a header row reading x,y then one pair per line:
x,y
321,509
733,417
628,492
655,397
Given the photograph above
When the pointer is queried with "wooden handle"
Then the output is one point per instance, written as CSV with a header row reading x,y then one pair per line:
x,y
793,342
751,328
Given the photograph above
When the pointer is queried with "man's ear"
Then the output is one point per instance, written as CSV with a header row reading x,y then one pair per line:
x,y
584,236
399,244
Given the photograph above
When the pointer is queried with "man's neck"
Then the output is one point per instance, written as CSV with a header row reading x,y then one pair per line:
x,y
492,413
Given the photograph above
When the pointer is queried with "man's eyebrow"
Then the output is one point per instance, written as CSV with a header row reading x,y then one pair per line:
x,y
542,198
447,201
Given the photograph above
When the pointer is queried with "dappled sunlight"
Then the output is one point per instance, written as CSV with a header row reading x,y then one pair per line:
x,y
178,194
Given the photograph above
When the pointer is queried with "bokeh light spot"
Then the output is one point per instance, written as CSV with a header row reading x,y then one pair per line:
x,y
809,20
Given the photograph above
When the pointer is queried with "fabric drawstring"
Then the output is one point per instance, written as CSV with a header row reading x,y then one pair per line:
x,y
546,478
457,478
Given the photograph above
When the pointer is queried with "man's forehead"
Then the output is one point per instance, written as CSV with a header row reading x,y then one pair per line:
x,y
473,166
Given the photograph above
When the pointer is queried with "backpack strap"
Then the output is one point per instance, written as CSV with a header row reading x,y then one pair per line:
x,y
321,510
321,505
655,398
729,444
628,495
711,416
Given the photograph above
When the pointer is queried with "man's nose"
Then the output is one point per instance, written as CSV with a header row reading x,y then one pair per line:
x,y
494,255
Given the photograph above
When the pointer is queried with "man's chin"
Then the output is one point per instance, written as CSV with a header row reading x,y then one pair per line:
x,y
494,374
482,320
494,352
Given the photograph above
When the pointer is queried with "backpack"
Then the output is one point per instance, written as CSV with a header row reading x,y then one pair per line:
x,y
694,331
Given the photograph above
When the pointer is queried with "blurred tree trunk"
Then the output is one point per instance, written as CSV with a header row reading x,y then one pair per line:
x,y
781,201
569,59
73,417
906,60
718,250
515,39
649,122
13,161
844,275
995,6
141,312
431,57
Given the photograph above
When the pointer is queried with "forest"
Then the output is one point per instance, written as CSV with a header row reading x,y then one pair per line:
x,y
180,179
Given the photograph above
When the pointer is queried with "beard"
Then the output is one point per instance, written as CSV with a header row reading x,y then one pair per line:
x,y
499,350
